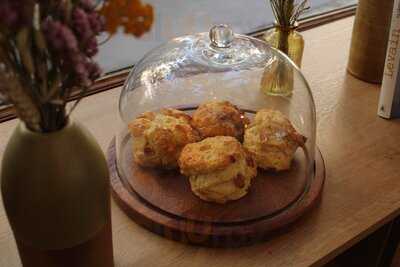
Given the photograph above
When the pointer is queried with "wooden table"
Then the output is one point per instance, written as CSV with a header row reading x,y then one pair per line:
x,y
362,190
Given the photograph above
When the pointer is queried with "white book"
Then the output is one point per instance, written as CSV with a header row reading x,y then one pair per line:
x,y
389,99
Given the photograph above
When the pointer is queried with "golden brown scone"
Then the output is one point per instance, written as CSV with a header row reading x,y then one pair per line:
x,y
272,140
219,168
158,138
219,118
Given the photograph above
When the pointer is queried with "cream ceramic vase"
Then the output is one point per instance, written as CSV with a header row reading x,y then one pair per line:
x,y
55,189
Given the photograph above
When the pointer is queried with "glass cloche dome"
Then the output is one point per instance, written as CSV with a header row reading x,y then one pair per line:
x,y
218,66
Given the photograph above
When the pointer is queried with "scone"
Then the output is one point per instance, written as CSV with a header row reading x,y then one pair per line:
x,y
158,138
217,118
219,169
272,140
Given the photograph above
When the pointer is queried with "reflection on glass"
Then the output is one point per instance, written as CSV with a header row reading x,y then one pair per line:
x,y
277,79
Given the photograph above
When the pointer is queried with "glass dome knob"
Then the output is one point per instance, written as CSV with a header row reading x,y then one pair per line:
x,y
224,48
221,36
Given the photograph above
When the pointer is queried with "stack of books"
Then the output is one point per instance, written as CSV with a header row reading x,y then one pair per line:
x,y
389,100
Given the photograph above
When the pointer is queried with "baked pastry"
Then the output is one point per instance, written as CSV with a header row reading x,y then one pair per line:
x,y
217,118
219,169
158,138
272,140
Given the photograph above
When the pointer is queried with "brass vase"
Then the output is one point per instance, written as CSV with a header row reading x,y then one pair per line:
x,y
55,188
288,40
278,77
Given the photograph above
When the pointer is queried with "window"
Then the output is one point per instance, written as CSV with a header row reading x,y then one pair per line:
x,y
179,17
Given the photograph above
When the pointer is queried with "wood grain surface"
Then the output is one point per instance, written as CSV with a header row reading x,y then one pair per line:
x,y
162,202
362,187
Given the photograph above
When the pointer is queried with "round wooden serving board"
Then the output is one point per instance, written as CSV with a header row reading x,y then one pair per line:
x,y
162,202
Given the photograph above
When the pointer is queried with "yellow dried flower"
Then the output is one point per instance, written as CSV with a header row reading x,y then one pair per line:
x,y
133,16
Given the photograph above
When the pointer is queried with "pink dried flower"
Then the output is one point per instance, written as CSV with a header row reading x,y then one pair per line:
x,y
91,48
76,63
8,15
59,37
62,51
96,22
87,26
86,71
81,25
94,70
15,14
64,44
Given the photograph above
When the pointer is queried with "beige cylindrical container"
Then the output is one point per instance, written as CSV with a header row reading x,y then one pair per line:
x,y
369,39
